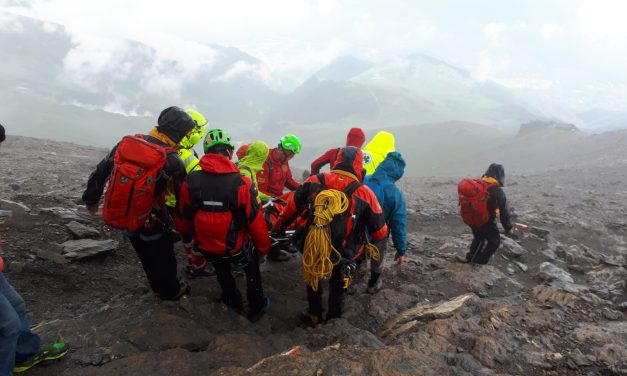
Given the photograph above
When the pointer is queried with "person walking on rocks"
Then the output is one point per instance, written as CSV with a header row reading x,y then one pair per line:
x,y
20,348
140,169
218,209
346,210
481,201
394,209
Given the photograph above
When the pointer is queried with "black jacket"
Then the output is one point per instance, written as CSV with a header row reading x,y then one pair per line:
x,y
174,172
498,200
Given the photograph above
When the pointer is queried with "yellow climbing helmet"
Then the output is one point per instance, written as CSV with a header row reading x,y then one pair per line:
x,y
199,130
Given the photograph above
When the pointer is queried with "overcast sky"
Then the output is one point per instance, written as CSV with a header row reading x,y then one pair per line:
x,y
538,44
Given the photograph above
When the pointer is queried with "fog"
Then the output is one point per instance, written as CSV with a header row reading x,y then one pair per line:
x,y
453,80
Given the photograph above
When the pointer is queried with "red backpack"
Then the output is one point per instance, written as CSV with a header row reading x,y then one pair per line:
x,y
473,201
130,195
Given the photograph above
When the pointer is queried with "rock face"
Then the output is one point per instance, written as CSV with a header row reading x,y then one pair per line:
x,y
550,302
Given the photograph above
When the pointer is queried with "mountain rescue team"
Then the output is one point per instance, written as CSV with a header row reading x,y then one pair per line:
x,y
216,206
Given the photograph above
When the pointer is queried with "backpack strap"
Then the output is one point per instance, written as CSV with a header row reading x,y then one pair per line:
x,y
352,187
267,163
250,171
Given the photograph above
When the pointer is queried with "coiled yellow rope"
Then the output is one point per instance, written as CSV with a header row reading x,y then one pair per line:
x,y
316,260
372,252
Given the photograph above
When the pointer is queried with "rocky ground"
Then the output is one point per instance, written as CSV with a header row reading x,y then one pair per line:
x,y
551,302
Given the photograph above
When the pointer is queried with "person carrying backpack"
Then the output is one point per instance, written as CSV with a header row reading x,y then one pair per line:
x,y
20,348
218,209
197,266
345,210
395,212
355,137
139,170
481,201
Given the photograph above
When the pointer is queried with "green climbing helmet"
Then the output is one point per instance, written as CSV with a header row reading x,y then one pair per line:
x,y
198,132
217,137
291,143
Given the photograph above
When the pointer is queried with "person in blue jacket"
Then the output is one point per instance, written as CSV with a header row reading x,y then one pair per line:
x,y
394,209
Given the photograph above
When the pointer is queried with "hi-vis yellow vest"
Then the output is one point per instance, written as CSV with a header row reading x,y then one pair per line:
x,y
191,164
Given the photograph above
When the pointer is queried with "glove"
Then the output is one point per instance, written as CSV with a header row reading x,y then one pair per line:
x,y
195,259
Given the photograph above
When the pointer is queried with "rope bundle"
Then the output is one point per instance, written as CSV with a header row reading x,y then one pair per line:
x,y
316,260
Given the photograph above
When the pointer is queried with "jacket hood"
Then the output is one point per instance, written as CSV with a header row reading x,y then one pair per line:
x,y
355,137
217,164
350,159
241,151
175,123
381,144
255,156
392,168
497,172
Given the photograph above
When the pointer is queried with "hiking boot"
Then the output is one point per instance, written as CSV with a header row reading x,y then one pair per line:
x,y
279,256
462,259
46,353
375,287
208,271
310,319
183,291
257,315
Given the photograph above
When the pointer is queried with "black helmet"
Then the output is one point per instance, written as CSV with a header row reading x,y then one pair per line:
x,y
497,172
175,123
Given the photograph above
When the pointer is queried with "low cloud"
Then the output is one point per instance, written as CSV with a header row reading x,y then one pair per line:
x,y
550,30
489,67
601,19
494,33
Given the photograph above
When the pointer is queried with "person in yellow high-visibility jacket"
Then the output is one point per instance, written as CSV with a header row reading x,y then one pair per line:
x,y
376,150
198,266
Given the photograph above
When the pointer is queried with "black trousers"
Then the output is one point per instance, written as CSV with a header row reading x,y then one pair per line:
x,y
485,242
249,261
336,295
159,263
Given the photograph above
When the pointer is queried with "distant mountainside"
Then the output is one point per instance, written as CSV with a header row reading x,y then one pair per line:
x,y
53,86
604,120
402,91
48,91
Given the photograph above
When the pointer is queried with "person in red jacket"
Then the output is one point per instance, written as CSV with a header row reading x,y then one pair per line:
x,y
276,174
218,209
366,216
355,137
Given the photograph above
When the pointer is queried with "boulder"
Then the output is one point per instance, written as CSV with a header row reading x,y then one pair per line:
x,y
78,249
550,272
80,231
